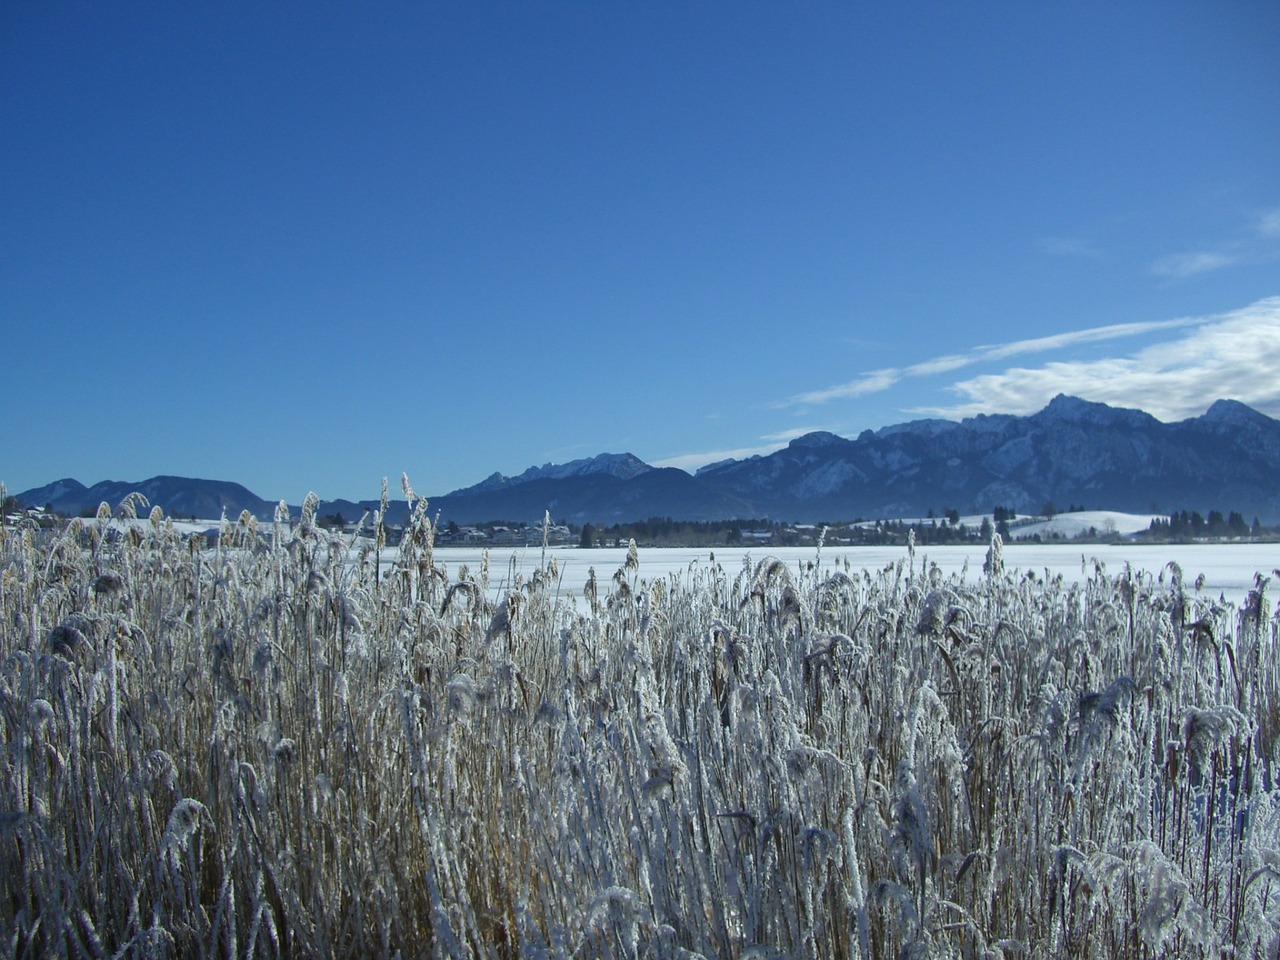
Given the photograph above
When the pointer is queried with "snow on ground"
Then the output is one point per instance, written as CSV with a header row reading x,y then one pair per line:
x,y
1068,525
1223,569
1064,525
184,527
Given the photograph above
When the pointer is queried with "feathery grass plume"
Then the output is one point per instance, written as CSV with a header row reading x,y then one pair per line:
x,y
68,639
184,820
1204,730
280,519
504,615
912,836
993,565
1166,908
130,505
1105,705
932,611
159,768
307,516
461,694
285,751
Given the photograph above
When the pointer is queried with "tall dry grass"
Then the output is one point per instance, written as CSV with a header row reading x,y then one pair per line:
x,y
283,745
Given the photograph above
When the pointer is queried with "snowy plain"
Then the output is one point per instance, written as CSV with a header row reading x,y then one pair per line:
x,y
1224,570
1228,569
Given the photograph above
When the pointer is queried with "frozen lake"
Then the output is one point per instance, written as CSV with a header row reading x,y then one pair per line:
x,y
1228,569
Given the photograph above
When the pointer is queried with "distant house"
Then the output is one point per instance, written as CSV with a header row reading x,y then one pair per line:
x,y
38,517
556,533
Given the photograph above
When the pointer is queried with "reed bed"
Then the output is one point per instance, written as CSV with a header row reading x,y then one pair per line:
x,y
284,746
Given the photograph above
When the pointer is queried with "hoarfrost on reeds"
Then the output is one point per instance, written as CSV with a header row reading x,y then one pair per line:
x,y
286,745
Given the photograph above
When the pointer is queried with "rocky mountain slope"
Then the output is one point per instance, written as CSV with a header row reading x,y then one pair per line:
x,y
1071,452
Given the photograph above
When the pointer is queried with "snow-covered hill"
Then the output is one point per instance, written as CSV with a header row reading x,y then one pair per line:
x,y
1068,525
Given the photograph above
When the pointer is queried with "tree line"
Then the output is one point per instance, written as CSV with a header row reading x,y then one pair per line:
x,y
1184,524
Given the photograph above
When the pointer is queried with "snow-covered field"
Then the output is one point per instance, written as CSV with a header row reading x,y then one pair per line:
x,y
1064,525
1068,525
1228,569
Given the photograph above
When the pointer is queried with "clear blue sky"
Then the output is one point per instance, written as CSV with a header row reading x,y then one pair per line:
x,y
308,245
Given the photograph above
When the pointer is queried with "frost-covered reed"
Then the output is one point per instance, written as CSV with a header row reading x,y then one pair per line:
x,y
280,746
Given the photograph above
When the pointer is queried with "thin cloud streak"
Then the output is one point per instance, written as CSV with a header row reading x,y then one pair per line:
x,y
1269,223
872,382
1244,249
1233,355
1057,341
785,436
690,462
938,365
876,381
1180,266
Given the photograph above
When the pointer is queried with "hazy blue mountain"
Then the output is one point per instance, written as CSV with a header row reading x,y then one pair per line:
x,y
623,466
597,498
184,496
60,491
1071,452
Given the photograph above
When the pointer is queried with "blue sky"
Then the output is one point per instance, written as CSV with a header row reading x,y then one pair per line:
x,y
306,246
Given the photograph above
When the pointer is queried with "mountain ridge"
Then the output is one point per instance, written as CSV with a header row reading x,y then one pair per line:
x,y
624,466
1071,451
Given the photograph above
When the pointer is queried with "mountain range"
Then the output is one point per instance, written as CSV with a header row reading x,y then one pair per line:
x,y
1071,452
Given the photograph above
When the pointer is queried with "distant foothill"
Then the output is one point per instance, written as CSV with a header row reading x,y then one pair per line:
x,y
1072,451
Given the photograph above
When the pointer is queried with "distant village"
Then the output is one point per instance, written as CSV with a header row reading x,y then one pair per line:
x,y
948,527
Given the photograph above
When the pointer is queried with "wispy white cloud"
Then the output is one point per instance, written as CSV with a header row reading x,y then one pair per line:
x,y
786,436
692,461
1231,355
876,381
938,365
1180,266
1234,355
1247,247
1058,341
1268,224
771,442
872,382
